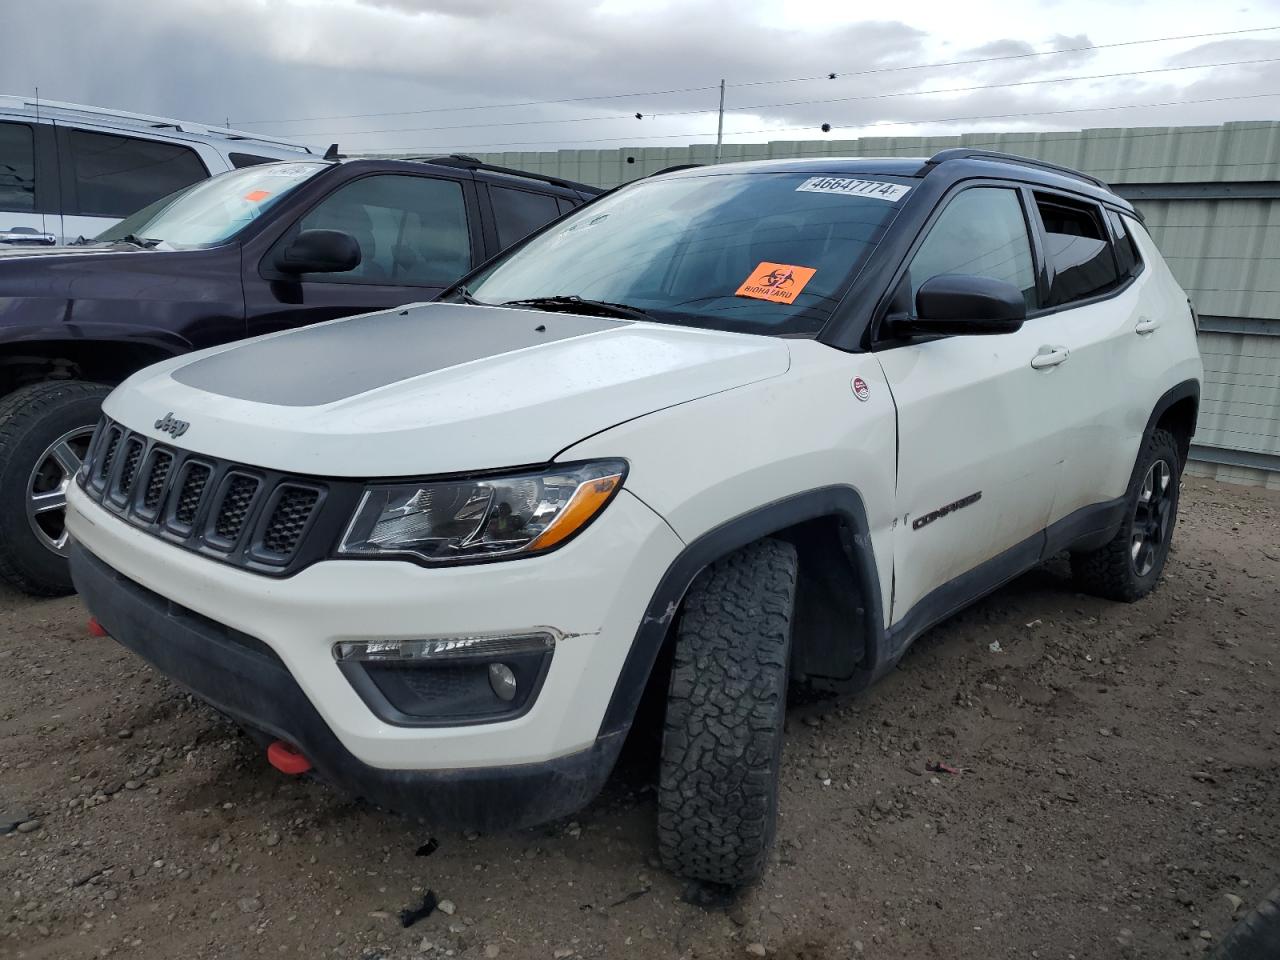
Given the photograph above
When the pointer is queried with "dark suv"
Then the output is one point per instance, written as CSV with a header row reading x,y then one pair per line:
x,y
266,248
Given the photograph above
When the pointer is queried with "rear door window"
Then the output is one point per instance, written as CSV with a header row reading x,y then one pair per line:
x,y
517,213
1077,248
17,168
114,176
411,230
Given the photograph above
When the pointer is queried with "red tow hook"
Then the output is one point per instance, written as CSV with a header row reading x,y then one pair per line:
x,y
287,758
96,629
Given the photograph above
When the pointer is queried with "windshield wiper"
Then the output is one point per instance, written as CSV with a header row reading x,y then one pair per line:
x,y
571,303
146,243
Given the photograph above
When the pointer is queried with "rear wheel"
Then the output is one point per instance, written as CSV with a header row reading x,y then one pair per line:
x,y
45,430
722,742
1128,567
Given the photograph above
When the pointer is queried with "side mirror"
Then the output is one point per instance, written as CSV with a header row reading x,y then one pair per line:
x,y
961,304
319,251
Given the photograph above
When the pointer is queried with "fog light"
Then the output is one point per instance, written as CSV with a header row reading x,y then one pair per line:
x,y
503,681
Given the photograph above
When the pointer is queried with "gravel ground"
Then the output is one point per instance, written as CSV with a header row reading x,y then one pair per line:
x,y
1114,794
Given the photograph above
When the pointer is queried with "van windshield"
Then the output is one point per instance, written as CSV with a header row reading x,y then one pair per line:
x,y
212,211
767,253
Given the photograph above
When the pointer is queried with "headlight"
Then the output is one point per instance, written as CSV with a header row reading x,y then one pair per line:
x,y
452,521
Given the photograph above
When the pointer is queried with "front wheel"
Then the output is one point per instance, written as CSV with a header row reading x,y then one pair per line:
x,y
1128,567
45,430
722,742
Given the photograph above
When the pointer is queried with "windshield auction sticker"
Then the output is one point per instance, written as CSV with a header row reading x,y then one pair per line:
x,y
779,282
875,189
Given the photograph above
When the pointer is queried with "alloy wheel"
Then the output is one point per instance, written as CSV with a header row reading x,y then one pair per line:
x,y
47,488
1152,518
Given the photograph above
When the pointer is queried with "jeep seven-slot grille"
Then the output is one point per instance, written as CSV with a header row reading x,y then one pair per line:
x,y
239,514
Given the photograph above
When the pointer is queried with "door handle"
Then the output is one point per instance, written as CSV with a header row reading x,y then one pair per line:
x,y
1146,325
22,236
1049,357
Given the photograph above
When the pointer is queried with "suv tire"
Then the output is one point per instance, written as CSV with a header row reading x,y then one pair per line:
x,y
726,704
44,432
1128,567
1257,935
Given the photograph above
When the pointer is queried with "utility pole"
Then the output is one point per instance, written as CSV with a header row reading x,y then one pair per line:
x,y
720,122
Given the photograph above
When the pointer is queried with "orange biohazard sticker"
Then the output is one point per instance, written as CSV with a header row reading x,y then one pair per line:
x,y
779,282
257,196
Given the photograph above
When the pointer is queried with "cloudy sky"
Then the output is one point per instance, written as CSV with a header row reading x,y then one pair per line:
x,y
435,75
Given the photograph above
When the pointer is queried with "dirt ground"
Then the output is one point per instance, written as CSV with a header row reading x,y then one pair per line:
x,y
1118,784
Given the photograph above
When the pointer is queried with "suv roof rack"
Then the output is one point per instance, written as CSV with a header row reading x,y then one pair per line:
x,y
673,169
56,109
965,153
464,162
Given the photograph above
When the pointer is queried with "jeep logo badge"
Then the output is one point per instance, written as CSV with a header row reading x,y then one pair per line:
x,y
175,428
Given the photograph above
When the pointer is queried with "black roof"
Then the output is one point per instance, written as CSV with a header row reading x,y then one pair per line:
x,y
957,163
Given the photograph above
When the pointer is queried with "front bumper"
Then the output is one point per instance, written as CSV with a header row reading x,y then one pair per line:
x,y
243,678
593,591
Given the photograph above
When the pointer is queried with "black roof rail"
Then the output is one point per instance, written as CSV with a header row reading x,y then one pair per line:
x,y
464,162
673,169
965,153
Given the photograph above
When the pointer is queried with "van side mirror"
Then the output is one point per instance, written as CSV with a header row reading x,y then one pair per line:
x,y
960,304
319,251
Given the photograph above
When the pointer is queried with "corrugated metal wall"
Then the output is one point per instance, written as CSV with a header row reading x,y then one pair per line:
x,y
1210,196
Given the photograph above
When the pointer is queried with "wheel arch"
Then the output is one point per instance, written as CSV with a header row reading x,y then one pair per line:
x,y
826,524
1176,411
106,361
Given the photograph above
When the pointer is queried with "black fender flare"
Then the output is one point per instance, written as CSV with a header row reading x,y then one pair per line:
x,y
842,502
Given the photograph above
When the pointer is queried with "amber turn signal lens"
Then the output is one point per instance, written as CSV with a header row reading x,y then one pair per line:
x,y
586,502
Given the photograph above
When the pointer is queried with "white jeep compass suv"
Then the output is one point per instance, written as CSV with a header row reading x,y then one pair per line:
x,y
758,424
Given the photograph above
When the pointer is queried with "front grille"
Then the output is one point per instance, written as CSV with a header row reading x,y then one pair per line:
x,y
129,470
233,509
288,519
194,479
229,511
161,461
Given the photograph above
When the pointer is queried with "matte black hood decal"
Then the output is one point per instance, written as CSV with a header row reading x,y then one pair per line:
x,y
333,361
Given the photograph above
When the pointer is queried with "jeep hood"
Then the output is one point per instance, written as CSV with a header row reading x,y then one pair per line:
x,y
434,388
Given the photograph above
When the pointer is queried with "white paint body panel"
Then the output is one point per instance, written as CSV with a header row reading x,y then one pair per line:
x,y
510,409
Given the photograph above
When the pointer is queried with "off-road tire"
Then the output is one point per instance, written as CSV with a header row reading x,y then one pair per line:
x,y
31,419
1111,571
1256,936
726,705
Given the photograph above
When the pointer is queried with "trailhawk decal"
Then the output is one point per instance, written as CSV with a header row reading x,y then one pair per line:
x,y
875,189
941,512
779,282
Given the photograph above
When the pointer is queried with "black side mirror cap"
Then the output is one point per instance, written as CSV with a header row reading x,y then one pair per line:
x,y
319,251
960,304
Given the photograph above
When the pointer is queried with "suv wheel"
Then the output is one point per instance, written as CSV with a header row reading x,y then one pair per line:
x,y
45,430
1128,567
722,743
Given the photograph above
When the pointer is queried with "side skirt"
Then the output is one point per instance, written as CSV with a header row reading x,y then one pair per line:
x,y
1085,529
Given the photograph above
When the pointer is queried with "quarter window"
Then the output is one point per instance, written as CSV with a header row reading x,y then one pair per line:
x,y
411,230
17,168
1127,257
518,213
1081,263
983,233
116,176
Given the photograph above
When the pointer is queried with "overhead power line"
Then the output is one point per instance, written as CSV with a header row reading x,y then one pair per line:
x,y
799,103
865,126
754,83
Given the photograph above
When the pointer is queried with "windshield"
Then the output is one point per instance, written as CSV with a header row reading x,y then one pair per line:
x,y
753,252
211,211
